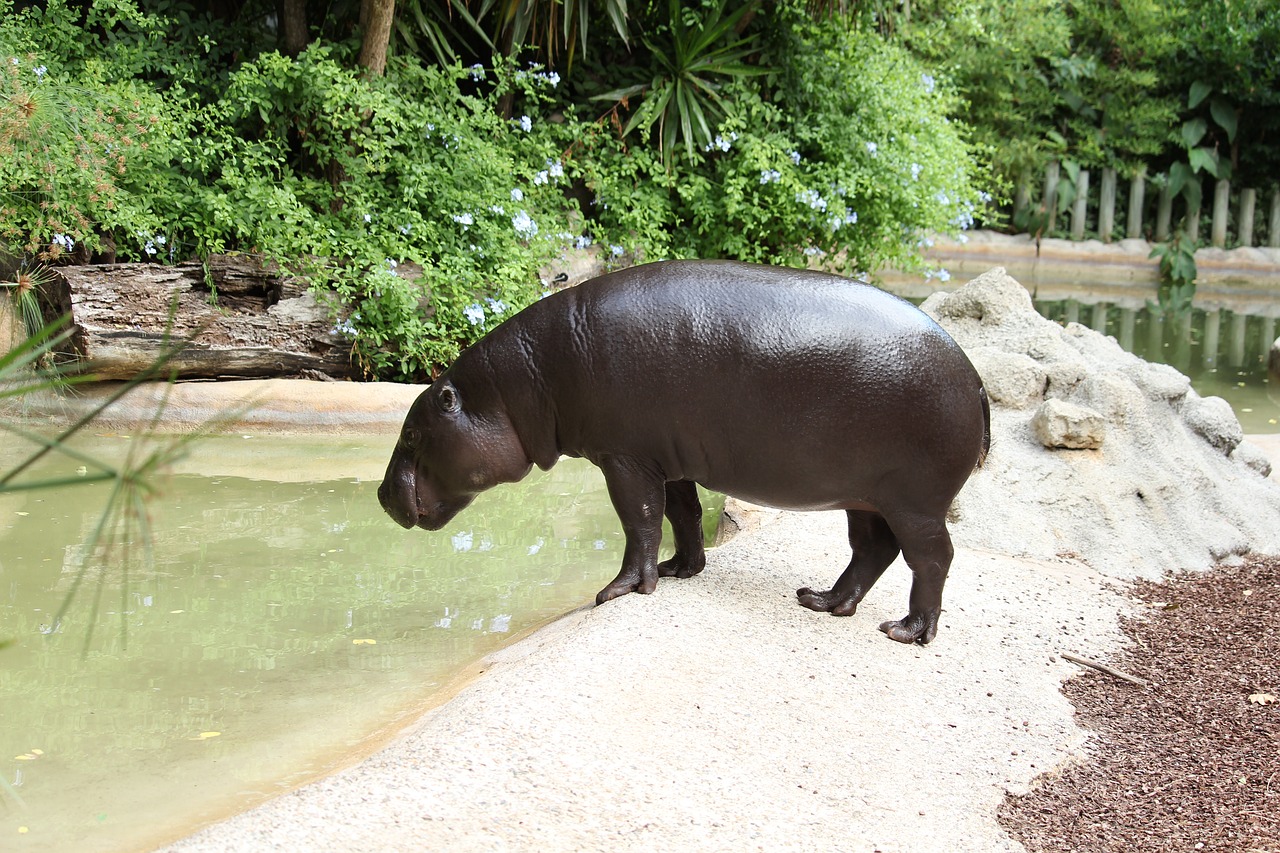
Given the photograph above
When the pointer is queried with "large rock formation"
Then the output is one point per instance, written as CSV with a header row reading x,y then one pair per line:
x,y
1096,454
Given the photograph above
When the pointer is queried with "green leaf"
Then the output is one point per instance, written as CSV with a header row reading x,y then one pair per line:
x,y
1225,115
1179,175
1204,159
1199,91
1193,131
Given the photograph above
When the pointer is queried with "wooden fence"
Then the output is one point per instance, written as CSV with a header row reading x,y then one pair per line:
x,y
1234,220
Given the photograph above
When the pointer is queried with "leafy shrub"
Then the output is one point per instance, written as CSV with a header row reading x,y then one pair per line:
x,y
848,160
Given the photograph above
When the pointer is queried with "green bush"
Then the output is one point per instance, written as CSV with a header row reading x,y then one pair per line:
x,y
847,159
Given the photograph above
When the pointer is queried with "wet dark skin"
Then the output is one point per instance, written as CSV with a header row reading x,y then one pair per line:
x,y
788,388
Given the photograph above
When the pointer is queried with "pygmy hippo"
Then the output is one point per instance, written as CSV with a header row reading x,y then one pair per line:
x,y
795,389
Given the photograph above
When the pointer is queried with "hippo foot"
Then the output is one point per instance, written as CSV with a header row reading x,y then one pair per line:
x,y
681,566
912,628
624,583
830,601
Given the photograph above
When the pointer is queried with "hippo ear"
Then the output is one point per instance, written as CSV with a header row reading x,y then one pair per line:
x,y
448,400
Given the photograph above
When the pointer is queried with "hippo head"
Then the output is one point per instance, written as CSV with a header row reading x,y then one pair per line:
x,y
450,449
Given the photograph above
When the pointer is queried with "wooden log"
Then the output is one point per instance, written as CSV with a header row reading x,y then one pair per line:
x,y
1080,210
1248,203
1137,197
1221,207
1107,205
243,320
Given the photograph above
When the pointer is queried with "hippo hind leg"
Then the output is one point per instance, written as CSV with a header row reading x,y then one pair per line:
x,y
874,548
684,511
926,546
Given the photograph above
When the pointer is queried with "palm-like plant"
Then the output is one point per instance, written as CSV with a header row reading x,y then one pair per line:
x,y
683,97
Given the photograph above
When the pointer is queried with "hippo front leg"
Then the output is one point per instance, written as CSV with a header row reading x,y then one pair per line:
x,y
637,491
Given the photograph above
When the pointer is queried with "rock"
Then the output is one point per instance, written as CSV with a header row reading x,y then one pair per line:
x,y
1273,361
1168,487
1252,456
990,298
1162,382
1012,379
1213,420
1058,423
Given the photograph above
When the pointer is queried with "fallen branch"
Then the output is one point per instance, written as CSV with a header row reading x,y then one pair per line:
x,y
1102,667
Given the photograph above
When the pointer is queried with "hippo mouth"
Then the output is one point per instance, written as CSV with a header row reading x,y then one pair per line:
x,y
439,514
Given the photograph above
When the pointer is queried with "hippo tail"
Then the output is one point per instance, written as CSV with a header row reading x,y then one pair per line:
x,y
986,427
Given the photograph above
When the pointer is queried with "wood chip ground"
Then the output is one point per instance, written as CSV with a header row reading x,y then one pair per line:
x,y
1192,761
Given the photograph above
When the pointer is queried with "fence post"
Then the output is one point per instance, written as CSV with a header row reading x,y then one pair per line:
x,y
1022,195
1107,205
1051,194
1248,200
1137,197
1273,225
1221,206
1164,214
1080,209
1191,223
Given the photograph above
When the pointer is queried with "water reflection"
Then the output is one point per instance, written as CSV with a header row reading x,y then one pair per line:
x,y
278,626
1224,352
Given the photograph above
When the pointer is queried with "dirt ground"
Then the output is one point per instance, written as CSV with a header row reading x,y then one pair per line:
x,y
1192,760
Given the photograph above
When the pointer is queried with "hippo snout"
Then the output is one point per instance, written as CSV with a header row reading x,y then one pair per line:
x,y
398,493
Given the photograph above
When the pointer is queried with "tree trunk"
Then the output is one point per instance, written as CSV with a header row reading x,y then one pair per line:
x,y
293,27
377,16
243,320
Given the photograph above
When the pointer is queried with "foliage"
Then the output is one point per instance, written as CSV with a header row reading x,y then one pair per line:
x,y
1177,273
692,56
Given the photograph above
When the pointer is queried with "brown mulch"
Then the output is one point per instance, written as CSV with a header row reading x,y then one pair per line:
x,y
1192,761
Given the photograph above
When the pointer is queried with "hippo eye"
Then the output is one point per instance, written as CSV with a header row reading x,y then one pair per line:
x,y
447,399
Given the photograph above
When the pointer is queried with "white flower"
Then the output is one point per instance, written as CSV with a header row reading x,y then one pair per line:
x,y
368,217
916,168
769,176
524,224
943,275
871,147
555,169
812,198
476,71
526,124
928,81
582,242
517,194
540,178
616,251
795,157
984,197
391,265
405,229
463,219
474,313
40,72
497,306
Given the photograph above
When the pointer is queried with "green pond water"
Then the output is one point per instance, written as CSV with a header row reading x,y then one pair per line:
x,y
283,625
